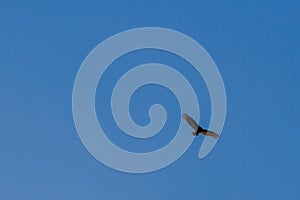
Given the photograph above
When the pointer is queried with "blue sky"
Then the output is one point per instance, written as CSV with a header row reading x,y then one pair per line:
x,y
256,48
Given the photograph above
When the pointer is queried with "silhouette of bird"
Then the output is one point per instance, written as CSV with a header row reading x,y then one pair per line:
x,y
198,129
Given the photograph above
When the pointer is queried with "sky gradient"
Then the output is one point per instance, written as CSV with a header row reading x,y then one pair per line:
x,y
256,48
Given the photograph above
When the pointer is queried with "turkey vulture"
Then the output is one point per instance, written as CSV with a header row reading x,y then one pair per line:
x,y
198,129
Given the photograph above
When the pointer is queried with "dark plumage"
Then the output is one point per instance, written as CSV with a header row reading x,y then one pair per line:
x,y
198,129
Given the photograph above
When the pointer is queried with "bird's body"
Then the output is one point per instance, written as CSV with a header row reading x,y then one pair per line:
x,y
198,129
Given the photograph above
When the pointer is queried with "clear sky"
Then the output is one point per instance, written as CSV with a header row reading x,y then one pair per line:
x,y
256,48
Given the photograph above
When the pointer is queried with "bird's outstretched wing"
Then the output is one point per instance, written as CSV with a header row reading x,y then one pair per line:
x,y
212,134
190,121
198,129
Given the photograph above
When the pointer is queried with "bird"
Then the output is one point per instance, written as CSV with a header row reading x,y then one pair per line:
x,y
198,129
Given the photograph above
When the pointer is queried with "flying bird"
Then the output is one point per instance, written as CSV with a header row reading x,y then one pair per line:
x,y
198,129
